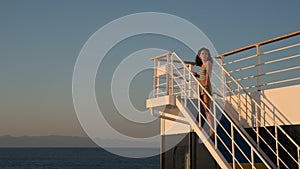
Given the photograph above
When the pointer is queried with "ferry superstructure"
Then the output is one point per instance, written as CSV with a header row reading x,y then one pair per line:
x,y
254,108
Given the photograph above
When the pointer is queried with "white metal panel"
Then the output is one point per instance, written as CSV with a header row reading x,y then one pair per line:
x,y
286,102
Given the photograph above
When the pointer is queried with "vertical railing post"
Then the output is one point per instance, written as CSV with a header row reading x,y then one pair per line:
x,y
215,126
199,104
252,158
276,142
257,127
184,87
171,83
232,145
168,75
158,76
239,102
223,78
247,109
298,153
226,80
190,81
258,93
258,67
155,78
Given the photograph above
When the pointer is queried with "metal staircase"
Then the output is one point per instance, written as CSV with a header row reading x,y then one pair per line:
x,y
247,130
229,146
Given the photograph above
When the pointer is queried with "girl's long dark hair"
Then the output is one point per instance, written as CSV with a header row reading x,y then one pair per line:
x,y
198,60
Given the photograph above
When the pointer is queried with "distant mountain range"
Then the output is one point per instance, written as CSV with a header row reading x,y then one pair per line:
x,y
67,141
46,141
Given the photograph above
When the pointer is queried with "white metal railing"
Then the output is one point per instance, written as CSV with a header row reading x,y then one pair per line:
x,y
173,77
266,104
241,100
271,63
258,60
264,112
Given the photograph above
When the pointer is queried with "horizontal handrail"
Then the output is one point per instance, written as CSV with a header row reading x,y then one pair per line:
x,y
239,60
258,57
160,56
282,48
265,53
261,43
265,63
267,73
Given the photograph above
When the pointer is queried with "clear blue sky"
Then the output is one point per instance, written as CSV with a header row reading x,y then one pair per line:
x,y
40,41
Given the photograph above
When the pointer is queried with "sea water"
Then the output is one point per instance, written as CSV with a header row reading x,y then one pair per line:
x,y
71,158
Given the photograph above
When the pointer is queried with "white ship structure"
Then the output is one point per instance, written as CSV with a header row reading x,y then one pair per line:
x,y
254,108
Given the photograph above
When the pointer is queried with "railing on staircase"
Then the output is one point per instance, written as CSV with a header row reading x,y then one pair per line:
x,y
265,65
173,77
269,136
260,116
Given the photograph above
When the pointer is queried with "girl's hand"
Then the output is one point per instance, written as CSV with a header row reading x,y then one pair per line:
x,y
195,74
